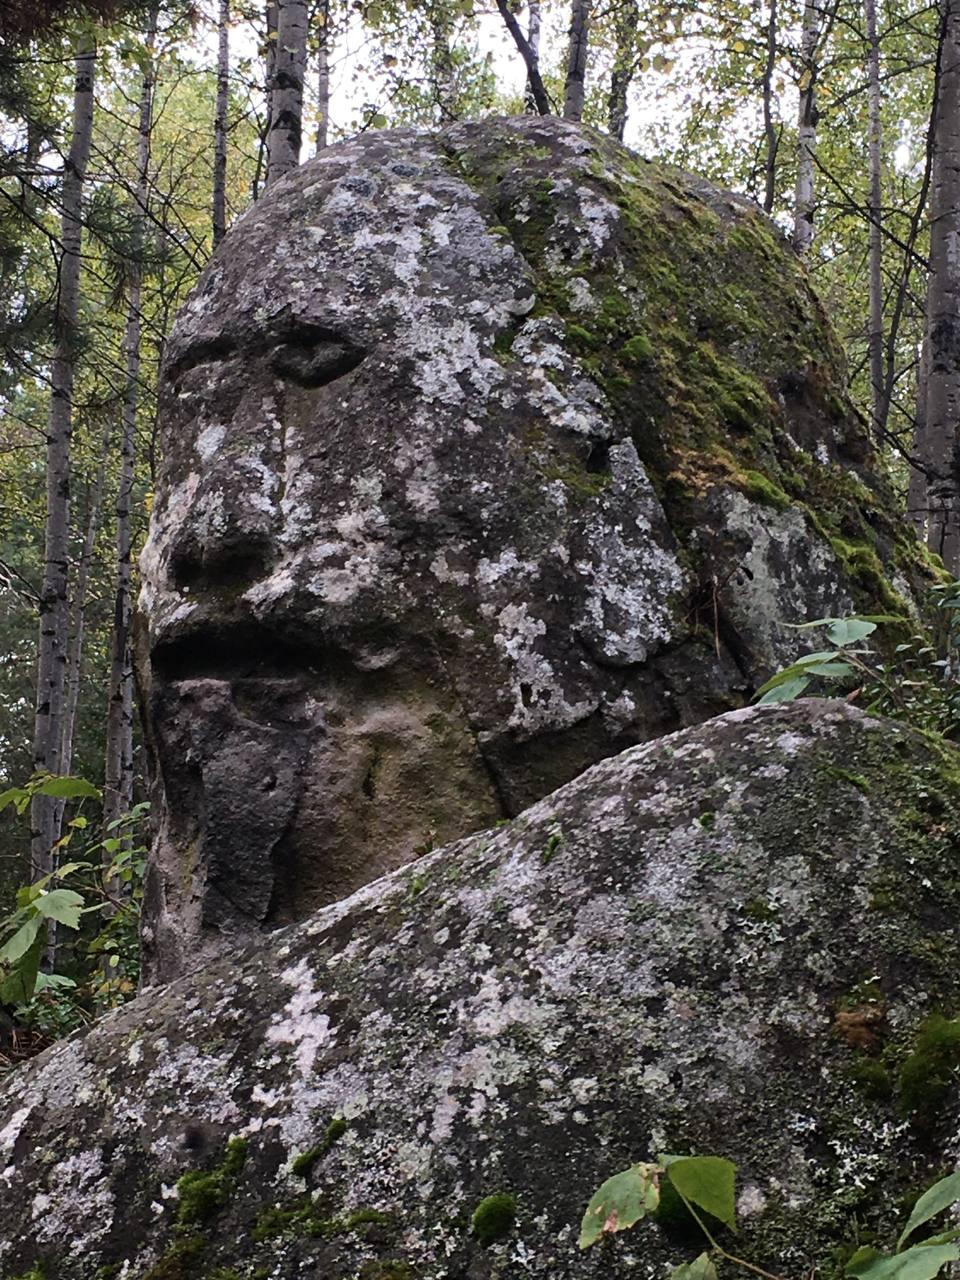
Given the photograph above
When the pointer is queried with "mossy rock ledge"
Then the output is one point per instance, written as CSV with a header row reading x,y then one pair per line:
x,y
515,450
738,940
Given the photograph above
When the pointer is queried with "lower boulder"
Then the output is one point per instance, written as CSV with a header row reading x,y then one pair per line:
x,y
739,940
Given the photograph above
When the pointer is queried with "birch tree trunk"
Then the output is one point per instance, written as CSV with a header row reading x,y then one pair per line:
x,y
530,58
805,196
442,71
576,76
79,603
943,303
323,76
875,329
45,814
220,124
117,784
534,20
269,69
917,502
628,19
286,120
770,131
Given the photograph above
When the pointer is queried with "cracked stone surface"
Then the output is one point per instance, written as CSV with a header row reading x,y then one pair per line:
x,y
721,942
487,453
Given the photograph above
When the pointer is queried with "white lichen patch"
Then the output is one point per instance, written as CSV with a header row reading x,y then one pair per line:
x,y
302,1025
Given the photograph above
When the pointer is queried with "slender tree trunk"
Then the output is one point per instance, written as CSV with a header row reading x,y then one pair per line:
x,y
286,123
269,68
117,786
54,607
875,333
442,71
220,125
770,131
533,40
531,59
917,502
576,77
943,303
77,630
805,198
628,19
323,77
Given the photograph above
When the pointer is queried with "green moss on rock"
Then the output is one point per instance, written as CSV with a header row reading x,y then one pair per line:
x,y
494,1217
202,1194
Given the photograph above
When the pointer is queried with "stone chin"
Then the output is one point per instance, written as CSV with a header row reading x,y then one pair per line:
x,y
410,567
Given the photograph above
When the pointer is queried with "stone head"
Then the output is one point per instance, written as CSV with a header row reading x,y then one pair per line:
x,y
422,548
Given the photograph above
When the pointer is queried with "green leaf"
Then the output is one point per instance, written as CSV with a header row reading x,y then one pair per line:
x,y
832,670
825,655
20,984
706,1181
847,631
699,1269
785,692
16,948
62,905
68,788
793,672
939,1197
378,121
620,1202
15,795
920,1262
54,981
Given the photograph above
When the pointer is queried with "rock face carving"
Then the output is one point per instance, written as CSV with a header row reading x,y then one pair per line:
x,y
724,942
487,453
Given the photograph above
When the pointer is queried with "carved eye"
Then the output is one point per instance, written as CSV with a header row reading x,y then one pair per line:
x,y
313,360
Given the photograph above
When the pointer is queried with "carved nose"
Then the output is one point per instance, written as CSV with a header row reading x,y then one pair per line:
x,y
225,537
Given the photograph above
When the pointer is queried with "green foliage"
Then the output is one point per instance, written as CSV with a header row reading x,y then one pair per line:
x,y
104,886
916,683
707,1184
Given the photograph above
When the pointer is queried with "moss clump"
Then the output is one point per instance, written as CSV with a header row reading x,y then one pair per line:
x,y
756,486
180,1261
871,1077
300,1217
202,1194
929,1071
760,910
636,349
844,775
304,1162
367,1218
494,1217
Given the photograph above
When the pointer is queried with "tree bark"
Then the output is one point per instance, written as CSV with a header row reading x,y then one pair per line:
x,y
46,813
534,19
117,784
875,331
79,604
531,59
220,125
628,19
269,71
442,72
917,503
805,196
323,77
576,77
770,131
286,122
943,302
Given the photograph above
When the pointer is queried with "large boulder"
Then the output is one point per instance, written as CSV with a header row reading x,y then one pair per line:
x,y
487,453
733,941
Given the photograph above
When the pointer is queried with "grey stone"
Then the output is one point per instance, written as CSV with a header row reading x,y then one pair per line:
x,y
723,942
487,453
